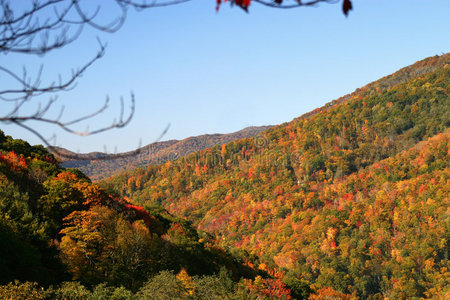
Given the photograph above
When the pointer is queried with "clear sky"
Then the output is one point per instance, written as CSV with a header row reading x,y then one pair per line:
x,y
207,72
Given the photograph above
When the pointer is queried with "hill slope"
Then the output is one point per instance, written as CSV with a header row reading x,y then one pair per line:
x,y
99,165
351,196
56,225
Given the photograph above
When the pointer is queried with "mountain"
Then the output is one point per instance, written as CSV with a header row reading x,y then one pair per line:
x,y
350,199
64,237
99,165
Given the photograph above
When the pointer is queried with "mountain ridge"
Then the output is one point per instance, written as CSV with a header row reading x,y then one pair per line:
x,y
349,201
333,198
99,165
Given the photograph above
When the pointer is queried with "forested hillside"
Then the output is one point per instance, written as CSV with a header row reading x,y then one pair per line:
x,y
351,198
98,165
349,201
64,237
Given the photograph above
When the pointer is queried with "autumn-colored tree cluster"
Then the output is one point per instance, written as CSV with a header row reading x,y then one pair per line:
x,y
349,201
58,228
349,198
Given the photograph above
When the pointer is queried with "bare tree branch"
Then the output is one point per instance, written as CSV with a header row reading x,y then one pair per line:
x,y
30,90
38,27
44,26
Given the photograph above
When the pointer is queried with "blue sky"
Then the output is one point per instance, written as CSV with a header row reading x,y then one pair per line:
x,y
207,72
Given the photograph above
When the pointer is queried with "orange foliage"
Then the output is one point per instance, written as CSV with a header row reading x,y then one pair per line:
x,y
15,162
67,176
272,288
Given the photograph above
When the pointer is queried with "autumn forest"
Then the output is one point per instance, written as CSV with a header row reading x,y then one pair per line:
x,y
349,201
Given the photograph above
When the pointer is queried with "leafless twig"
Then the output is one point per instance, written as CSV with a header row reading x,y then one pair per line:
x,y
38,27
48,25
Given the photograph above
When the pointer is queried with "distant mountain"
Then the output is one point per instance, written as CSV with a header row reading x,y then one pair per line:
x,y
99,165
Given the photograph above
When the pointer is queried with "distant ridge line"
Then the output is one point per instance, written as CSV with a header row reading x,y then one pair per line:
x,y
98,165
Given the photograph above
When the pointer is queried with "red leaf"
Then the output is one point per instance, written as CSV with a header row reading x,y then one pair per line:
x,y
244,4
346,7
218,4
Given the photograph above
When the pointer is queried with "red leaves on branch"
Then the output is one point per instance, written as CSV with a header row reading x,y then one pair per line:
x,y
244,4
347,6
